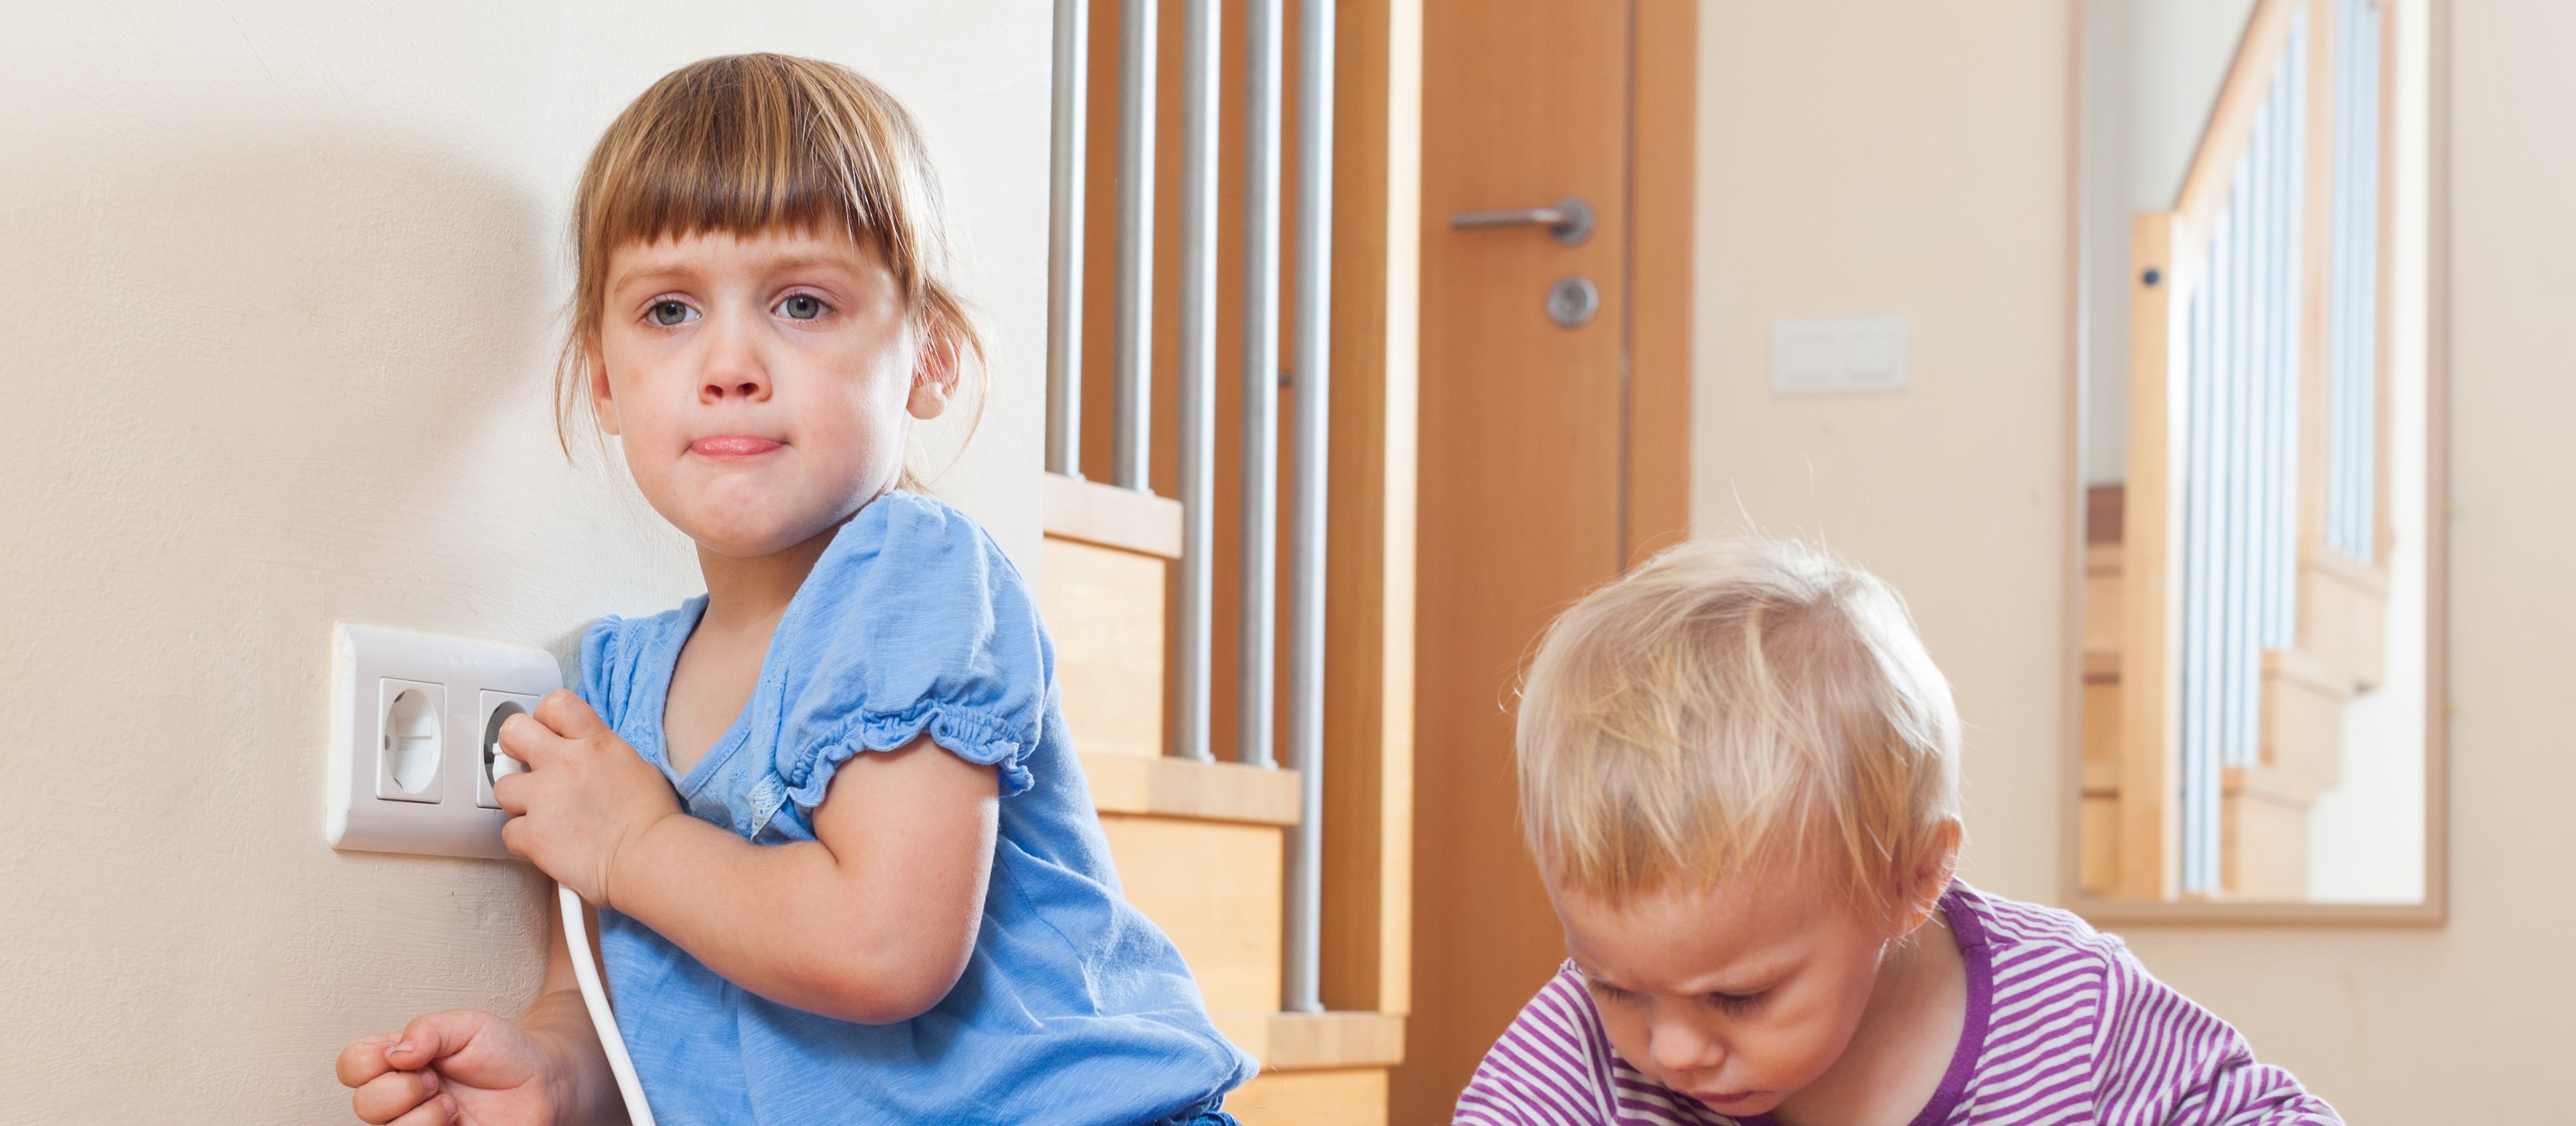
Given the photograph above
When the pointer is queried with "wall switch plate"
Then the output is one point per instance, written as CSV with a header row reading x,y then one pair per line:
x,y
1841,356
409,765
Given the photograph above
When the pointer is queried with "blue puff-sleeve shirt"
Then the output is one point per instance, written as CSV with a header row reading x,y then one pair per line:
x,y
1073,1008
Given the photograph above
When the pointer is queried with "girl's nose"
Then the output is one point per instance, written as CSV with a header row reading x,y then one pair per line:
x,y
733,368
1680,1047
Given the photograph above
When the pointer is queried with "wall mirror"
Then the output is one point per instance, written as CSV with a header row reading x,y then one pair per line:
x,y
2262,542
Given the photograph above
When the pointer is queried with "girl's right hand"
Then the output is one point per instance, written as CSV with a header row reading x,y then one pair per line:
x,y
453,1068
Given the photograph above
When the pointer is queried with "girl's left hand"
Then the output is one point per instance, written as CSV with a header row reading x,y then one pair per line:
x,y
585,797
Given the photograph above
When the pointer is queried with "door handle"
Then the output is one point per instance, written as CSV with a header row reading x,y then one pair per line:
x,y
1569,219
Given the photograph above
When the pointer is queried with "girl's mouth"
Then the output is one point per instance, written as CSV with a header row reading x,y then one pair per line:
x,y
1723,1099
732,446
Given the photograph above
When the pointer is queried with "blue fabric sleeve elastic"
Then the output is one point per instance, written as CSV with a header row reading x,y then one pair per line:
x,y
924,628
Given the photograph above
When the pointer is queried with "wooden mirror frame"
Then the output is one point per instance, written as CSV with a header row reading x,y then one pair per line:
x,y
2434,909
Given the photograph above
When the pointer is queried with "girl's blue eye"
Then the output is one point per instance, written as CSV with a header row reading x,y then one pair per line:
x,y
801,307
669,314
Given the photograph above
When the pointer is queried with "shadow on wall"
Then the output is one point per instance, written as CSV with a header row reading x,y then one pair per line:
x,y
285,374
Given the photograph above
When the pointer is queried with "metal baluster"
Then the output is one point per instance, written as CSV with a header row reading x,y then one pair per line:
x,y
1302,985
1131,422
1260,511
1199,97
1064,238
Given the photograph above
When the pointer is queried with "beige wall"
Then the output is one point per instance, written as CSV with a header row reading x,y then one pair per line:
x,y
1870,159
282,284
1865,158
2151,72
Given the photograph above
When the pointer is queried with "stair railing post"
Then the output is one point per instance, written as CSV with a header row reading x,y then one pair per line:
x,y
1131,423
1260,509
1302,984
1064,238
1201,67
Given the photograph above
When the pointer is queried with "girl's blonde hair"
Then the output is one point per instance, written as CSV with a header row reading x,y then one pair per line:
x,y
1733,704
743,144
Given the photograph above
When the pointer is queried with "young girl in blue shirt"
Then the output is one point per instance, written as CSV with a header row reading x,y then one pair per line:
x,y
844,861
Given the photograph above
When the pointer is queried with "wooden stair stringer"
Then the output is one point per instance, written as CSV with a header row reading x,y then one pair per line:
x,y
2264,807
1198,846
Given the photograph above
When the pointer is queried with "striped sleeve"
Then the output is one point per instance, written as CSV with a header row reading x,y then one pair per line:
x,y
2168,1062
1548,1067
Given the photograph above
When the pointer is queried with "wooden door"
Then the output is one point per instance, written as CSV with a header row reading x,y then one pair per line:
x,y
1551,455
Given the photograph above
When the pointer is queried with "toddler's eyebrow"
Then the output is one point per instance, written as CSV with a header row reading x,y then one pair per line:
x,y
668,271
647,274
810,261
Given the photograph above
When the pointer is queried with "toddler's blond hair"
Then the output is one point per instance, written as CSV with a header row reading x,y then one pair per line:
x,y
1730,705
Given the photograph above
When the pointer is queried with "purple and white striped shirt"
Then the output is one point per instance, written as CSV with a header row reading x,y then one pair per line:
x,y
2064,1026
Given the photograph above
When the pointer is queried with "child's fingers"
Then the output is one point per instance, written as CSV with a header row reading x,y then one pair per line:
x,y
514,832
435,1036
440,1111
510,792
508,797
394,1095
564,714
363,1059
525,739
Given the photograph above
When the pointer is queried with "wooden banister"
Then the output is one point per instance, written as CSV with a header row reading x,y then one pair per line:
x,y
2230,127
2150,661
2228,572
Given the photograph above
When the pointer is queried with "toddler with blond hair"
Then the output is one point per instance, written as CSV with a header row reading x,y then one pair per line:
x,y
1739,775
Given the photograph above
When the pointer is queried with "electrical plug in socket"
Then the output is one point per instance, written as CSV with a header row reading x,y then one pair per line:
x,y
497,708
404,709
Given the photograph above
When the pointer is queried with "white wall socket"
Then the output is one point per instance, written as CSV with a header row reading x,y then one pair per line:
x,y
412,721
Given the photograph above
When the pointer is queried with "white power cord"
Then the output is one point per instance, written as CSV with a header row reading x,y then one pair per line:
x,y
595,997
585,970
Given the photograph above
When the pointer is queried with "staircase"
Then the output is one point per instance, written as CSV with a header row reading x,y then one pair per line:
x,y
1199,845
2235,582
2264,806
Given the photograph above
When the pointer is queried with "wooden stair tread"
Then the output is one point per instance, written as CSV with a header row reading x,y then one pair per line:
x,y
2306,669
2293,788
1312,1041
1112,517
1178,787
2370,578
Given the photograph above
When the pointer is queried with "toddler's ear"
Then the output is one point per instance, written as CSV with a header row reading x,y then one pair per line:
x,y
1932,874
934,380
603,405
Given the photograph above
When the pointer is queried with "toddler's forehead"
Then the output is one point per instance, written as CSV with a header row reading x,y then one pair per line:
x,y
1768,900
1682,939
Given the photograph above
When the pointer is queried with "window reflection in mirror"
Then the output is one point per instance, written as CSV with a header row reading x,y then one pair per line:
x,y
2256,457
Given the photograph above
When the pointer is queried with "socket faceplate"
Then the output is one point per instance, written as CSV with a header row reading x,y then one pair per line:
x,y
409,778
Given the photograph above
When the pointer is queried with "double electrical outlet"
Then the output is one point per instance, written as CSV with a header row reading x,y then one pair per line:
x,y
414,725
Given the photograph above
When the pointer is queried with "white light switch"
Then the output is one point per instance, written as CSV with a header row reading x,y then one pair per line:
x,y
1840,356
409,713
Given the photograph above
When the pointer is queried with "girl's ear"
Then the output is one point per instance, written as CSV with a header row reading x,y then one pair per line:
x,y
603,406
1930,877
935,374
